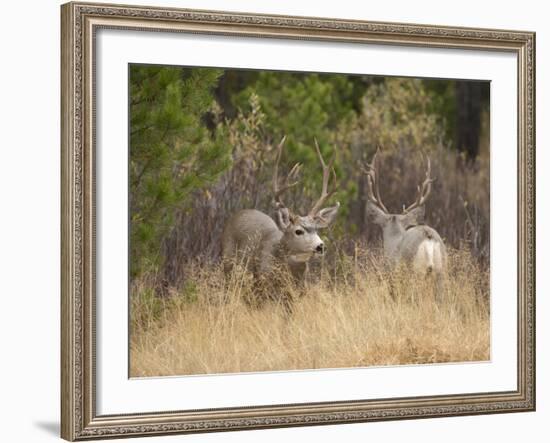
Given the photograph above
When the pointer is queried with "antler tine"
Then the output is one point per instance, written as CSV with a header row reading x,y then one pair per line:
x,y
278,191
423,190
328,170
371,171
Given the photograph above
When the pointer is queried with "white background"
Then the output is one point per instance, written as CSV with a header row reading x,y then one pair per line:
x,y
29,221
117,394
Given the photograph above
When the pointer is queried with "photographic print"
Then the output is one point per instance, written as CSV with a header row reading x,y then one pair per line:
x,y
273,221
295,221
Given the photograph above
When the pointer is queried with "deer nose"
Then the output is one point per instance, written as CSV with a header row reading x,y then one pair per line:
x,y
320,248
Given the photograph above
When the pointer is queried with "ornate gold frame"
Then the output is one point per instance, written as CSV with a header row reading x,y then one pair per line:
x,y
79,420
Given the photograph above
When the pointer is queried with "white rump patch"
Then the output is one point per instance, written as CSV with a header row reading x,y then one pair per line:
x,y
428,257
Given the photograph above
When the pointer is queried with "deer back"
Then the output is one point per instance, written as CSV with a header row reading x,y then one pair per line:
x,y
250,231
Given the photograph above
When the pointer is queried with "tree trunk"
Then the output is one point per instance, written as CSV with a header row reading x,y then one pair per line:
x,y
468,118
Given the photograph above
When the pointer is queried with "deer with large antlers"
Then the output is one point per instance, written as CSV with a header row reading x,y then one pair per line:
x,y
271,247
407,240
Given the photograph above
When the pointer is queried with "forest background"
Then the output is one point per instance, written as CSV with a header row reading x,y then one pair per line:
x,y
202,146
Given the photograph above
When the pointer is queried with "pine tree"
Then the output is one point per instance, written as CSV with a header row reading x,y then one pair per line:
x,y
172,152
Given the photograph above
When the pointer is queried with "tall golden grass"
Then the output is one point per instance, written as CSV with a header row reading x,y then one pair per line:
x,y
347,318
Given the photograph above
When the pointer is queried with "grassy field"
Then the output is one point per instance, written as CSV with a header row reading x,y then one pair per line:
x,y
347,319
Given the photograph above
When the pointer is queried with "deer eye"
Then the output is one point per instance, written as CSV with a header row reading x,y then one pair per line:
x,y
299,232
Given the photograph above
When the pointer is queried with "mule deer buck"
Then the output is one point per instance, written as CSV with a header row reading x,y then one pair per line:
x,y
407,240
272,249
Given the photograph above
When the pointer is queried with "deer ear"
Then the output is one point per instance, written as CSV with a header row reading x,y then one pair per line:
x,y
326,216
414,217
283,218
376,215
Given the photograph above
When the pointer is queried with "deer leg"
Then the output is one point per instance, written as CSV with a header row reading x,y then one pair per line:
x,y
281,293
393,272
260,291
439,287
287,303
229,254
385,274
391,287
227,262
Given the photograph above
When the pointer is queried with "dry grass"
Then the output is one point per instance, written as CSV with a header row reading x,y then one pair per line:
x,y
348,321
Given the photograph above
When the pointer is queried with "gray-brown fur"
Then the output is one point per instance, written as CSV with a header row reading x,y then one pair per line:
x,y
276,250
407,240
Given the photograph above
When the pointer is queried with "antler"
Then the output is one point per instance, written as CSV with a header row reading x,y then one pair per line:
x,y
328,169
371,170
278,191
423,190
